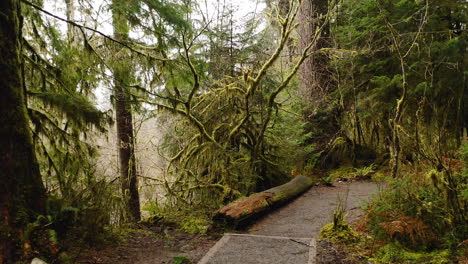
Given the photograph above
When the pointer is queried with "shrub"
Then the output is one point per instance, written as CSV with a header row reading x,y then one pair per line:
x,y
423,212
189,220
394,253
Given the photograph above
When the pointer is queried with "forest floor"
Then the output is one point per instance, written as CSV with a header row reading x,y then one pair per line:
x,y
302,218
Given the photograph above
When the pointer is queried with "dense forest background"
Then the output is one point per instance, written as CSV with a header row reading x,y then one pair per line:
x,y
115,112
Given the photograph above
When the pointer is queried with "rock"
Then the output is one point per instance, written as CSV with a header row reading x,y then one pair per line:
x,y
38,261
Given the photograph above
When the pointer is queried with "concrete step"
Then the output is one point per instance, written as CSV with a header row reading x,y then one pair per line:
x,y
260,249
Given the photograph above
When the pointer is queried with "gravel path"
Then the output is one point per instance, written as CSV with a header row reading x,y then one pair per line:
x,y
305,216
288,234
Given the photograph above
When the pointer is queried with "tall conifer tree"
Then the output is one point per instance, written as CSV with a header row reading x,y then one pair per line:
x,y
22,195
124,119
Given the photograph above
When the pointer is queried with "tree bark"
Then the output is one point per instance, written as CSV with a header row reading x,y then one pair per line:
x,y
124,120
73,33
241,211
22,194
314,75
126,151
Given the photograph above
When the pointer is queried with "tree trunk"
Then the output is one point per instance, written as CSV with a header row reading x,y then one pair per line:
x,y
241,211
73,33
126,151
124,120
314,75
22,194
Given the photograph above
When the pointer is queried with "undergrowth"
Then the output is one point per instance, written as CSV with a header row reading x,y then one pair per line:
x,y
421,217
395,253
86,221
187,220
418,218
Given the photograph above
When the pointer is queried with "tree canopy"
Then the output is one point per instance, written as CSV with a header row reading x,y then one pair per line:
x,y
233,104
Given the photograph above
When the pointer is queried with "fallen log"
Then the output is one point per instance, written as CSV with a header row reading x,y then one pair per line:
x,y
241,211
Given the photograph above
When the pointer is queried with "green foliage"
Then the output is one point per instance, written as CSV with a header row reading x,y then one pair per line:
x,y
364,172
234,134
380,177
327,180
153,209
464,173
350,172
291,142
75,107
188,220
231,109
86,220
394,253
60,76
342,172
418,212
164,15
194,226
342,234
339,152
180,260
339,231
370,78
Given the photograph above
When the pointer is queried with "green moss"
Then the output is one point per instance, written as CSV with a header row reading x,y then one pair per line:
x,y
188,220
393,253
195,226
180,260
380,177
341,234
342,172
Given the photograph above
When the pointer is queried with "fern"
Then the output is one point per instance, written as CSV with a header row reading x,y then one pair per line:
x,y
402,227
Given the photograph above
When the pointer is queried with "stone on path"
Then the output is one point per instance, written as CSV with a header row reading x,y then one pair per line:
x,y
38,261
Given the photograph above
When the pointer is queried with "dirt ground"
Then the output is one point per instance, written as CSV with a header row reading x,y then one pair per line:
x,y
328,253
147,248
303,217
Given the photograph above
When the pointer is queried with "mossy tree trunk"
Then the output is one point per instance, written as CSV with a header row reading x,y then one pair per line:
x,y
124,120
22,194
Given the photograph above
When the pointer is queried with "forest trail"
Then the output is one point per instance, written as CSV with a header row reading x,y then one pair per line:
x,y
284,236
288,234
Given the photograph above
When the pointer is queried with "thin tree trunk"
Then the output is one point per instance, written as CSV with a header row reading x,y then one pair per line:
x,y
22,194
395,123
126,151
124,122
73,33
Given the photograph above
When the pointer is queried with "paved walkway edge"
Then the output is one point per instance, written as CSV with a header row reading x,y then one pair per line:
x,y
274,237
214,249
227,236
312,251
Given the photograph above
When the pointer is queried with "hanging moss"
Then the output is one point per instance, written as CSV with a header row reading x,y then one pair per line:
x,y
22,194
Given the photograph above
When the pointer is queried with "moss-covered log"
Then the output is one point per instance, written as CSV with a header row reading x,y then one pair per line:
x,y
243,210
